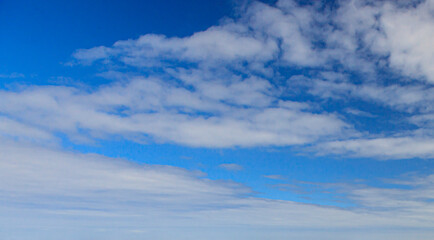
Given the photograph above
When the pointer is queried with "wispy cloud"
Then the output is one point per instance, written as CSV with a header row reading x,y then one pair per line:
x,y
275,177
12,75
231,166
382,148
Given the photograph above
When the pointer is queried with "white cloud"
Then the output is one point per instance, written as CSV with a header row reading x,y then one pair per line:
x,y
401,32
288,24
408,34
425,121
229,42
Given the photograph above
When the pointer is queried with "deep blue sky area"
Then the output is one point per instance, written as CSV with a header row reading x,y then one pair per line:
x,y
36,37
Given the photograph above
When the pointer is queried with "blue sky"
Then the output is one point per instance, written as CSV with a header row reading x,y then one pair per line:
x,y
216,119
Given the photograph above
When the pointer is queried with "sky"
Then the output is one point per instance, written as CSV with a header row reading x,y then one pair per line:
x,y
229,119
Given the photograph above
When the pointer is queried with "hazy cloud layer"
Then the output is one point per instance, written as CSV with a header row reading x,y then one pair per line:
x,y
61,190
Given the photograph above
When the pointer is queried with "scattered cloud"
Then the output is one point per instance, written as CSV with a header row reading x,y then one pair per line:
x,y
238,83
355,35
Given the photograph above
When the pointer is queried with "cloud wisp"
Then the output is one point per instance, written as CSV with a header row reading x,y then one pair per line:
x,y
231,166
